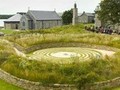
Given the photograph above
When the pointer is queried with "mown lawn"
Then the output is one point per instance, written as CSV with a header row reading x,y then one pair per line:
x,y
116,88
7,86
8,31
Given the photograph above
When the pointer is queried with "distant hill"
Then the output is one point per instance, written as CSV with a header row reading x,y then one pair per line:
x,y
5,16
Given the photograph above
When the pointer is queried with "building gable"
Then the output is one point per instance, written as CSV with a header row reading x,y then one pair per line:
x,y
86,18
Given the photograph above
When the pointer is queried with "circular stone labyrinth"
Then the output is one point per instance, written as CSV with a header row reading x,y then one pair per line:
x,y
68,54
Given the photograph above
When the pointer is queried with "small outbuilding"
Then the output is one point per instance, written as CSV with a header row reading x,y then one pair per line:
x,y
86,18
34,19
13,22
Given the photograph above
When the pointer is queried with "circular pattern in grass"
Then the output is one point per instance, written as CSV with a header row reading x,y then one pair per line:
x,y
65,54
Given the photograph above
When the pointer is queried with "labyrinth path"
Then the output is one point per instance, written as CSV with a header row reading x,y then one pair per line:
x,y
67,54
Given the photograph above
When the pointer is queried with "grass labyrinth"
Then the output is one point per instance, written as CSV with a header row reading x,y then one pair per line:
x,y
64,54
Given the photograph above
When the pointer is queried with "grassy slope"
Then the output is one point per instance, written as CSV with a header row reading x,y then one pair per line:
x,y
64,34
7,86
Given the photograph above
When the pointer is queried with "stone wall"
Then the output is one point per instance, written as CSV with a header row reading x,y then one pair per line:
x,y
29,85
105,84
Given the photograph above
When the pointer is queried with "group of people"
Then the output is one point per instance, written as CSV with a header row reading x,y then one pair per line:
x,y
101,29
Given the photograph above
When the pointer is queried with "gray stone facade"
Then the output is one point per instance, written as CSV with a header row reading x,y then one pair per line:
x,y
86,18
13,22
40,20
12,25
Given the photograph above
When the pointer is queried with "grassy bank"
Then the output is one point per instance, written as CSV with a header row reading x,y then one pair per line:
x,y
29,40
66,34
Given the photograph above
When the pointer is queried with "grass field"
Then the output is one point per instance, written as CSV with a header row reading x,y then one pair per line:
x,y
7,86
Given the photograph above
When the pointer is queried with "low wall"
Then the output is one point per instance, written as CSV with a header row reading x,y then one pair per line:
x,y
105,84
29,85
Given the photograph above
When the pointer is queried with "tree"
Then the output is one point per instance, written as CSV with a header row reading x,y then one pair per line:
x,y
67,17
110,11
5,16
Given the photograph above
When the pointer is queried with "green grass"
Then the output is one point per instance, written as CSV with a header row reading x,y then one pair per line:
x,y
7,86
29,40
50,73
66,34
8,31
116,88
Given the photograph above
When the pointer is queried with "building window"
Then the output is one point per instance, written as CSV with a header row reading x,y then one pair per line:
x,y
23,23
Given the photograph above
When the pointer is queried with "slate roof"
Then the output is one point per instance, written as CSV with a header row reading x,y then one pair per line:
x,y
90,14
45,15
15,18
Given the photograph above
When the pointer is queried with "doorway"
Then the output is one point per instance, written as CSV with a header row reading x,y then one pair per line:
x,y
16,26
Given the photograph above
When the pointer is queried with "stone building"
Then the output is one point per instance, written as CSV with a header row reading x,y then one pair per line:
x,y
40,20
13,22
86,18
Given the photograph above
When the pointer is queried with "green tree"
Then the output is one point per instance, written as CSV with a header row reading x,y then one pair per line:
x,y
5,16
110,11
67,17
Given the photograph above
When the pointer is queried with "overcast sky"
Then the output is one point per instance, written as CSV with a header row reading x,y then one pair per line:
x,y
13,6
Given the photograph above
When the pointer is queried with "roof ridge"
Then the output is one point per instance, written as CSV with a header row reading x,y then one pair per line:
x,y
41,11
